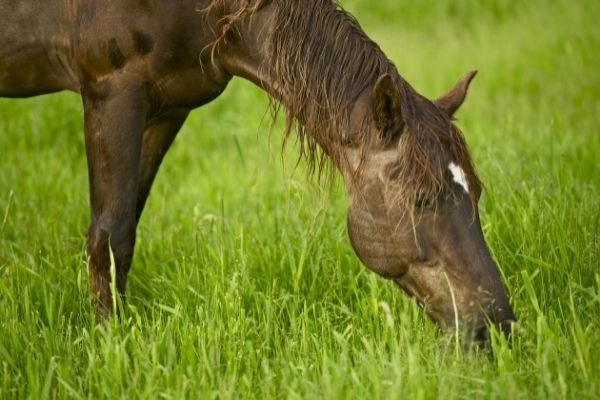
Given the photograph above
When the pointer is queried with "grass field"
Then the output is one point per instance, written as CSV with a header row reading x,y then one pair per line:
x,y
244,283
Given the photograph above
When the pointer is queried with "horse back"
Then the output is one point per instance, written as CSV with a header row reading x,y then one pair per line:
x,y
53,45
35,43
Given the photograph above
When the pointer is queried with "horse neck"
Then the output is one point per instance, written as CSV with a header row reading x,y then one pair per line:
x,y
309,79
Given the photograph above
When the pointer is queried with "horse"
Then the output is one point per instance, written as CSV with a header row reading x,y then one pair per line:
x,y
141,66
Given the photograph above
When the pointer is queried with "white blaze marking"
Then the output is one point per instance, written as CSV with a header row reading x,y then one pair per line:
x,y
459,176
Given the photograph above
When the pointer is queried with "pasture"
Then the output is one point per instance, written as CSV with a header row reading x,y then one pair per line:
x,y
244,283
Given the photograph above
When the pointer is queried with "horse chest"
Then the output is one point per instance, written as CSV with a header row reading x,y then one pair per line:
x,y
188,86
184,91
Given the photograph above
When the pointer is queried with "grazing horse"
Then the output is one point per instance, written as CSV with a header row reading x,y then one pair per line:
x,y
142,65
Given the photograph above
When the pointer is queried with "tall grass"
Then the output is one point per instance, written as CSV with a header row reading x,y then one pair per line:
x,y
244,283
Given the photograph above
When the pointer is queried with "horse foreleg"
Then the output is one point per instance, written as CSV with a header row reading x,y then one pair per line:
x,y
114,123
158,136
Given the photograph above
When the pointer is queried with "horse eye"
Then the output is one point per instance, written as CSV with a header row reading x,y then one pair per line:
x,y
424,201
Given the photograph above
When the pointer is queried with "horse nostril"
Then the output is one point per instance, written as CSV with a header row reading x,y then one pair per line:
x,y
481,335
506,328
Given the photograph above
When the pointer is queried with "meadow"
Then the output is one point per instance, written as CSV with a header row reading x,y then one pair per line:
x,y
244,283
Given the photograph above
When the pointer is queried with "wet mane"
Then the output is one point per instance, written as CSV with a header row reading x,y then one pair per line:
x,y
324,61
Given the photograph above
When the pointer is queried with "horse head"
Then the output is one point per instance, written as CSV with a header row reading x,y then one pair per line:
x,y
413,214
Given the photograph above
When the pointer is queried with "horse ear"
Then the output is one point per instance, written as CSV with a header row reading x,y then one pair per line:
x,y
386,104
453,99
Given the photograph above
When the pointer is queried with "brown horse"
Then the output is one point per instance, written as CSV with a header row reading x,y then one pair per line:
x,y
142,65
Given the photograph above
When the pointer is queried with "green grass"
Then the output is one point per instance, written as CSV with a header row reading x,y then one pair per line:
x,y
244,283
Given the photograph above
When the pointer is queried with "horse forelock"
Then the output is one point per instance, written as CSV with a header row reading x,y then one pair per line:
x,y
429,144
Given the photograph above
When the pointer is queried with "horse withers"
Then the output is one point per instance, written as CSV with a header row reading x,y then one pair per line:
x,y
141,66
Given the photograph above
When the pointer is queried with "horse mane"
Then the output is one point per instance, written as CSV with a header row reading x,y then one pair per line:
x,y
325,61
